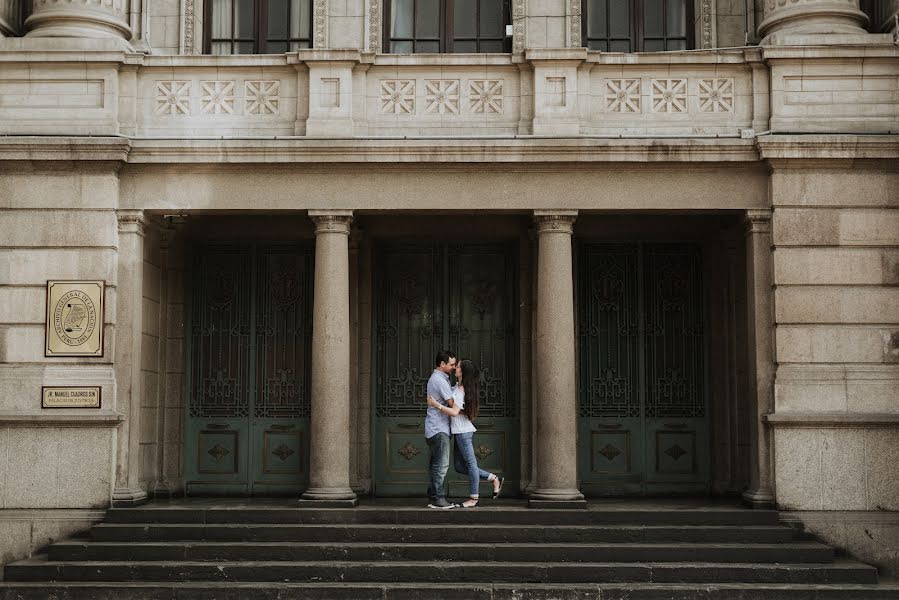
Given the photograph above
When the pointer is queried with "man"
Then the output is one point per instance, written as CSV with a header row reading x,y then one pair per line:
x,y
437,430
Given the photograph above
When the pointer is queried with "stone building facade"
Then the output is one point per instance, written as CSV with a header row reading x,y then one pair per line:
x,y
678,269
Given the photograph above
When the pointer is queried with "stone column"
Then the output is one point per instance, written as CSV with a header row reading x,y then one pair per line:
x,y
785,18
10,11
554,375
760,340
80,19
329,448
128,357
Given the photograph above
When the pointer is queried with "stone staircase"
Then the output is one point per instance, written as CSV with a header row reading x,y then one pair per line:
x,y
241,550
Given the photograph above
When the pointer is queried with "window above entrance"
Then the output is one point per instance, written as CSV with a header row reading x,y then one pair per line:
x,y
638,25
258,26
418,26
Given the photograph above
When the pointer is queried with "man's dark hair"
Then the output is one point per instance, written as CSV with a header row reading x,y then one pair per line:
x,y
443,356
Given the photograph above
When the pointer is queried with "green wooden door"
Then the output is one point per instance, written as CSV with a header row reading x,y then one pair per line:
x,y
248,385
430,297
643,426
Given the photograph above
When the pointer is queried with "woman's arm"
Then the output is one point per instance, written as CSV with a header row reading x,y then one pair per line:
x,y
451,410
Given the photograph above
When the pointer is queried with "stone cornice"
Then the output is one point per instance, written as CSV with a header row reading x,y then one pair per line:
x,y
60,418
835,147
832,420
879,47
40,148
780,149
443,150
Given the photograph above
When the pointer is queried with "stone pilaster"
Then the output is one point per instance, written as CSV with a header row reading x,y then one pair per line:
x,y
128,356
10,13
329,459
80,19
555,412
760,338
786,21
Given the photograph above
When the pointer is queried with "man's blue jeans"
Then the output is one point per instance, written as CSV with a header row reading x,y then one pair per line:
x,y
466,463
439,444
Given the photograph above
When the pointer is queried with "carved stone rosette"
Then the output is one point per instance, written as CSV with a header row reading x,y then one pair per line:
x,y
811,17
79,18
332,221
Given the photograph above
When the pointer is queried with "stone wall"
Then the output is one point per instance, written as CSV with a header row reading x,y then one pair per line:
x,y
836,419
56,467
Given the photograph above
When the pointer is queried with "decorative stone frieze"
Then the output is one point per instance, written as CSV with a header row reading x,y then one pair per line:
x,y
188,44
320,24
519,14
80,19
707,25
786,18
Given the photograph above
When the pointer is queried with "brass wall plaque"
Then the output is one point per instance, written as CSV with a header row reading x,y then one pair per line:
x,y
75,318
70,397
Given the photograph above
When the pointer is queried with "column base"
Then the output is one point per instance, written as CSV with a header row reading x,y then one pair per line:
x,y
557,498
128,497
328,498
761,499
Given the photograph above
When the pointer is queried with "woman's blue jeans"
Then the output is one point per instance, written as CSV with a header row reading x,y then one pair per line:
x,y
466,463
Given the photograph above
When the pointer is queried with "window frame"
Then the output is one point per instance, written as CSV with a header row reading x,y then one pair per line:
x,y
260,29
636,26
446,38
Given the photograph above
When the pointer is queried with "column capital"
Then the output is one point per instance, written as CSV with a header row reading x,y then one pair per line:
x,y
133,221
331,221
758,220
555,221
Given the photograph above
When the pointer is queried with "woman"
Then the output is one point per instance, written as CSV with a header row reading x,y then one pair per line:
x,y
463,410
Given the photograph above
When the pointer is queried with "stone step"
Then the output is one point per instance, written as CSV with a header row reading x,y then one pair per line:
x,y
432,591
804,552
39,569
760,534
160,513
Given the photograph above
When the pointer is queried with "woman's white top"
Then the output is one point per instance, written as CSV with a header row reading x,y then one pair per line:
x,y
460,423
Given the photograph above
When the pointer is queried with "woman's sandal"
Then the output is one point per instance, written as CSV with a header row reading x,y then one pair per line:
x,y
466,505
500,488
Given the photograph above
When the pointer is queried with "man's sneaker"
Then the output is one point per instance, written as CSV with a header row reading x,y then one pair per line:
x,y
441,503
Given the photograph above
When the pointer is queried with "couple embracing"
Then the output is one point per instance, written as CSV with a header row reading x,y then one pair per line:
x,y
451,412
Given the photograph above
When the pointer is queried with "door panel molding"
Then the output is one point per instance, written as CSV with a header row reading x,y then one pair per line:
x,y
247,378
642,374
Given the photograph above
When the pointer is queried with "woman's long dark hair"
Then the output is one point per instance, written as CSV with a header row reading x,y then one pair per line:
x,y
471,381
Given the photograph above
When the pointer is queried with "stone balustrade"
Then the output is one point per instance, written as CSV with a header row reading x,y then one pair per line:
x,y
344,93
